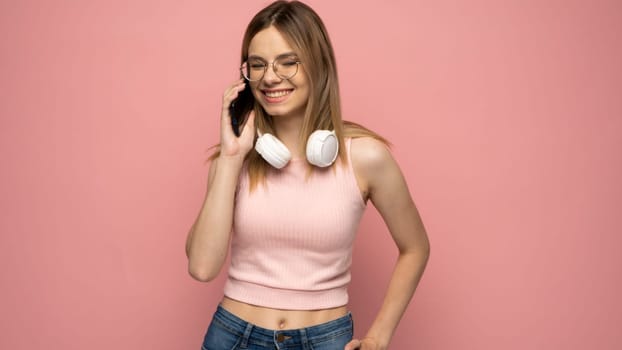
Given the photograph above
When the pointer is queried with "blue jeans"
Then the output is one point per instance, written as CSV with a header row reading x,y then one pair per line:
x,y
229,332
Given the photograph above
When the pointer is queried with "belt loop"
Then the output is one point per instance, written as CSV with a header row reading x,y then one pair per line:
x,y
247,335
304,340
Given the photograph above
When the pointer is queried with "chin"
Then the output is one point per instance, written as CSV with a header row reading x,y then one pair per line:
x,y
283,111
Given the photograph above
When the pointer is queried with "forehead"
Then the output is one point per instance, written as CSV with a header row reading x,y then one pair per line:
x,y
268,44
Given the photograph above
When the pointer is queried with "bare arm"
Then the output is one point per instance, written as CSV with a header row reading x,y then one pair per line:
x,y
379,175
208,240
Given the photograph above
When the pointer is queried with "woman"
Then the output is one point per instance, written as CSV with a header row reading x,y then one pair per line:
x,y
291,224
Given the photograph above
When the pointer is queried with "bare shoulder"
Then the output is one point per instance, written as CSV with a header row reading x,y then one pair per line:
x,y
372,163
369,154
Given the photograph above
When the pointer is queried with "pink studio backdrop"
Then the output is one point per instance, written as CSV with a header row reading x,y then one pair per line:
x,y
506,117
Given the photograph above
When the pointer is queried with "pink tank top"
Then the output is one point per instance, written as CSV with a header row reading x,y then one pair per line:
x,y
292,238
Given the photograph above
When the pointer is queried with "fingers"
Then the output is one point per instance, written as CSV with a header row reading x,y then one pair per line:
x,y
354,344
230,144
231,93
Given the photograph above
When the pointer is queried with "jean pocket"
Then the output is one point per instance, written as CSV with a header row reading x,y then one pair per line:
x,y
337,341
220,337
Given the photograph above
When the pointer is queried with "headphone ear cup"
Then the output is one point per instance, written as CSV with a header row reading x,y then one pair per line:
x,y
322,148
273,151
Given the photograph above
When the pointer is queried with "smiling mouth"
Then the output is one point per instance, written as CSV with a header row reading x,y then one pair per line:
x,y
277,93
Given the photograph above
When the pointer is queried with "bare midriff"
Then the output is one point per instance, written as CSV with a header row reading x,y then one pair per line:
x,y
278,319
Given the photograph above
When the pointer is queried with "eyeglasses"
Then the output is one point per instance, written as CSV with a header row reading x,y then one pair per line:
x,y
284,67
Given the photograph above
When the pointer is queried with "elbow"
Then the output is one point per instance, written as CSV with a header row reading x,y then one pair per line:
x,y
425,251
202,274
420,253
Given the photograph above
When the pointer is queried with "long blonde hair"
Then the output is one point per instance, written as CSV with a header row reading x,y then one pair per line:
x,y
305,32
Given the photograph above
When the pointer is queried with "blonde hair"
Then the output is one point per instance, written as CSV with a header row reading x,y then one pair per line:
x,y
305,32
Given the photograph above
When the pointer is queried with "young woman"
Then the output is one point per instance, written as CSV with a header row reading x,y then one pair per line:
x,y
290,207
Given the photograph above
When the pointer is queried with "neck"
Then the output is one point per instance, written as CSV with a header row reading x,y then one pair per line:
x,y
288,131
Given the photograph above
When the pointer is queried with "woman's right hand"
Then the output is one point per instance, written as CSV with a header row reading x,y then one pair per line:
x,y
231,145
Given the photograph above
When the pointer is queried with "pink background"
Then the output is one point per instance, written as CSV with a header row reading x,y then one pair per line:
x,y
506,117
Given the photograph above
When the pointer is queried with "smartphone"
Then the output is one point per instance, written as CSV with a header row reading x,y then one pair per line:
x,y
240,108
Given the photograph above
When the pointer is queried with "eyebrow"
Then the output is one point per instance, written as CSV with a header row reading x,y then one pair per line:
x,y
256,57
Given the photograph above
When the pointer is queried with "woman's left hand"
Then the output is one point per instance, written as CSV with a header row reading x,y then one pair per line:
x,y
363,344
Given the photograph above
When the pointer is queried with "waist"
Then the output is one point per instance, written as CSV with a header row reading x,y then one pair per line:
x,y
288,297
278,319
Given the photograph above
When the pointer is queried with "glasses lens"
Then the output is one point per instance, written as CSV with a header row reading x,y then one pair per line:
x,y
244,71
253,70
286,67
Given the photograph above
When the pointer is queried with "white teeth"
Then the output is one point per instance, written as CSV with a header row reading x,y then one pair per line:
x,y
277,93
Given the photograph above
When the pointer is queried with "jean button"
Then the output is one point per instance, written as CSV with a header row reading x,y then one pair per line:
x,y
280,337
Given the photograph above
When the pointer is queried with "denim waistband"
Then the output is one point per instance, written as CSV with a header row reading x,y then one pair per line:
x,y
251,333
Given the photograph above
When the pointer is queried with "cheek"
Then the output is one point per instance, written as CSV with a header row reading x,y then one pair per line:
x,y
303,92
300,80
254,89
302,84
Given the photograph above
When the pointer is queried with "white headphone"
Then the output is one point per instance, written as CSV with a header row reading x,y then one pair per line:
x,y
322,149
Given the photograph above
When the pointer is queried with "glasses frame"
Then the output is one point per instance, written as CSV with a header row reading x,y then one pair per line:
x,y
265,69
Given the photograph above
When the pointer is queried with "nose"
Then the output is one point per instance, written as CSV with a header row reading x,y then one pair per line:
x,y
270,76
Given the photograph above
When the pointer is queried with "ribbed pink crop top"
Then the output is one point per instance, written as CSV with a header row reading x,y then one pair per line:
x,y
292,239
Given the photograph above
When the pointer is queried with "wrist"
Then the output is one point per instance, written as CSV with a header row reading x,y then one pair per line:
x,y
381,343
235,161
